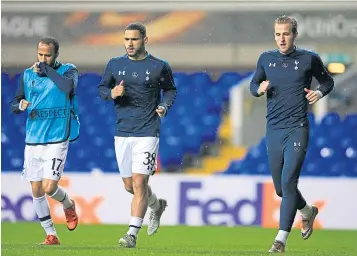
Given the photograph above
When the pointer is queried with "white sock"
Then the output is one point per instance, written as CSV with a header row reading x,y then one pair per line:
x,y
61,196
282,236
42,210
153,203
306,212
134,226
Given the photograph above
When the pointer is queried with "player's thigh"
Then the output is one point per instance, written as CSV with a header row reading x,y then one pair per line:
x,y
123,152
275,151
33,164
54,157
145,150
295,149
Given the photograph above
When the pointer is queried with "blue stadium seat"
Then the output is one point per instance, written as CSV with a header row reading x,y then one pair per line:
x,y
171,151
229,79
350,120
211,124
311,118
193,139
262,168
337,168
310,168
351,168
331,119
200,78
181,79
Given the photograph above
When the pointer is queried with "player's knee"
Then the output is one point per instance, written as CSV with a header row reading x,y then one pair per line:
x,y
128,184
49,187
289,187
129,188
140,184
279,192
37,190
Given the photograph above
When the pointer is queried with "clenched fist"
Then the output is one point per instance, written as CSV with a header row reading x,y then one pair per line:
x,y
263,87
118,90
161,111
24,104
312,96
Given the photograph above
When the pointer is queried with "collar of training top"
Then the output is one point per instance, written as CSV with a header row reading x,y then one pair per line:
x,y
147,56
287,54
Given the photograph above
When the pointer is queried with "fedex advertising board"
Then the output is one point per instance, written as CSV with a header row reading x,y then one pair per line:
x,y
192,200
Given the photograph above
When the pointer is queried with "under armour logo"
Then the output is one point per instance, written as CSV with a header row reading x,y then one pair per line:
x,y
150,167
272,65
297,146
296,65
121,72
147,72
147,75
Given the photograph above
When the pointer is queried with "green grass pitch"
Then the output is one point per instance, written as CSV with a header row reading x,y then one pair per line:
x,y
21,239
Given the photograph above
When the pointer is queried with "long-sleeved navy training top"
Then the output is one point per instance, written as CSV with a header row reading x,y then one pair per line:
x,y
288,75
144,80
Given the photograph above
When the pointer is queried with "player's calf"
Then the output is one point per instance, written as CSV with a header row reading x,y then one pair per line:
x,y
57,193
42,210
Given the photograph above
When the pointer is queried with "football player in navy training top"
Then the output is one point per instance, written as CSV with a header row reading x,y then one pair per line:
x,y
134,83
285,76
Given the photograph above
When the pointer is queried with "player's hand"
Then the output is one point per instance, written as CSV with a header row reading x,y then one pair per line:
x,y
24,105
36,67
312,96
263,87
161,111
118,90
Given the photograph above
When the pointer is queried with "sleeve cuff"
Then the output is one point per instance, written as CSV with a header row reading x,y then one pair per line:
x,y
259,94
20,104
318,92
164,106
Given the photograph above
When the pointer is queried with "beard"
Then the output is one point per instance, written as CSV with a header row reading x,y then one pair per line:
x,y
135,52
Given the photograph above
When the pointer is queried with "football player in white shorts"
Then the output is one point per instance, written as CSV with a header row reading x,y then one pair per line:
x,y
46,92
134,82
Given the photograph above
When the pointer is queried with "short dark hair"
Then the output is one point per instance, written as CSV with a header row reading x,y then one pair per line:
x,y
284,19
50,40
137,26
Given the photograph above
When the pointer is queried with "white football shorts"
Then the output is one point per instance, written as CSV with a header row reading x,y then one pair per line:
x,y
45,161
136,155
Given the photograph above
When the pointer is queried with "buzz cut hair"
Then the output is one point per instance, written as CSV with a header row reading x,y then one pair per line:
x,y
50,40
284,19
137,26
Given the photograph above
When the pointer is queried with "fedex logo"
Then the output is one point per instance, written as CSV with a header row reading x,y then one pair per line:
x,y
219,207
20,208
259,210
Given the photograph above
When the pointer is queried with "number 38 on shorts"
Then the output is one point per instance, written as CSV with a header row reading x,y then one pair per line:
x,y
136,155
